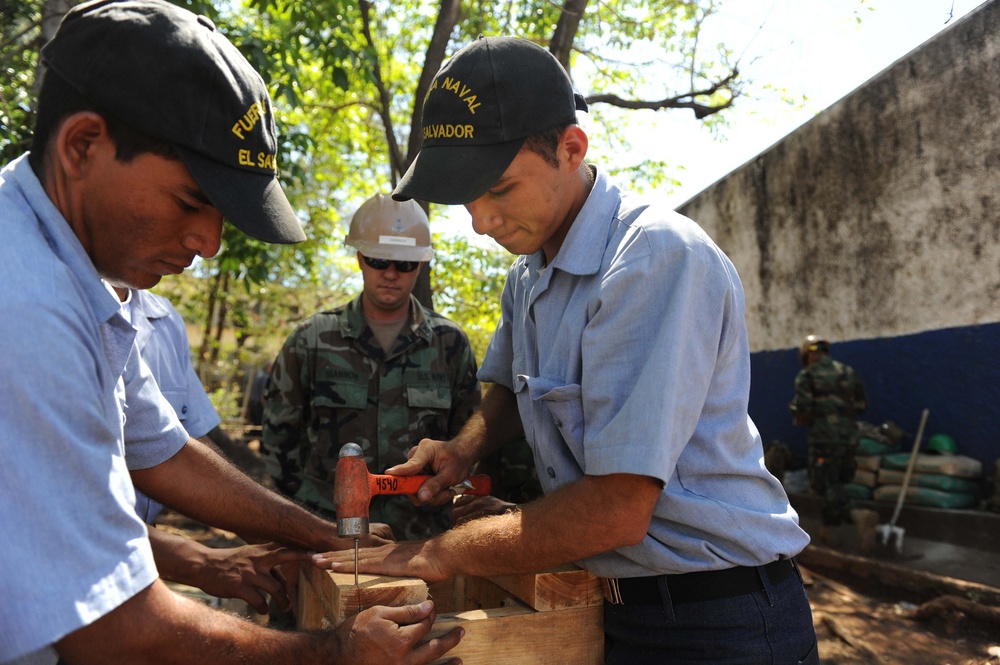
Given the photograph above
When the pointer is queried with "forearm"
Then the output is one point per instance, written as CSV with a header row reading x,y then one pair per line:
x,y
496,423
159,627
593,515
178,559
201,484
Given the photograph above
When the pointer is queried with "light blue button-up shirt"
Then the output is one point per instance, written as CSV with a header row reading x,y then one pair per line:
x,y
628,353
161,338
73,548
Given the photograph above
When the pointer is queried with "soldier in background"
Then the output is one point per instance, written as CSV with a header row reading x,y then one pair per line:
x,y
829,397
382,371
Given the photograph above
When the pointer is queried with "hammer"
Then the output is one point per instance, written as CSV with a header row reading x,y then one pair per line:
x,y
354,487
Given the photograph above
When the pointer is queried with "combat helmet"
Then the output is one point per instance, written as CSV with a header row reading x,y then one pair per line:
x,y
812,343
386,229
941,444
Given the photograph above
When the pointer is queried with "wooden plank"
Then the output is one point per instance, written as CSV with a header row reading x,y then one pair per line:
x,y
555,589
498,627
310,612
339,598
519,635
891,574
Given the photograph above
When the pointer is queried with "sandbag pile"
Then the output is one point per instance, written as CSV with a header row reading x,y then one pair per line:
x,y
941,477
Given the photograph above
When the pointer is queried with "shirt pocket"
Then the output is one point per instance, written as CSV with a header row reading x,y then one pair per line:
x,y
564,404
330,404
429,403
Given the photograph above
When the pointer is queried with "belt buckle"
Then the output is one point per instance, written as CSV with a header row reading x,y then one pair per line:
x,y
612,594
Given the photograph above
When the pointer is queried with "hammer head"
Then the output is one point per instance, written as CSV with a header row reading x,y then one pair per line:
x,y
351,492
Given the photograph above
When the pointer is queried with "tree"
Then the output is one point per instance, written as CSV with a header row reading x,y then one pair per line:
x,y
382,56
348,78
468,280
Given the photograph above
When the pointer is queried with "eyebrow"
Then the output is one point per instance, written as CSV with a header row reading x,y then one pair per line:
x,y
199,195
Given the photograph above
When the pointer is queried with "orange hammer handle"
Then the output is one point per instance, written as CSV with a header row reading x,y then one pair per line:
x,y
354,487
386,484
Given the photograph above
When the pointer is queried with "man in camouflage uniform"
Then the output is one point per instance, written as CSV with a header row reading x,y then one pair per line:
x,y
829,397
381,371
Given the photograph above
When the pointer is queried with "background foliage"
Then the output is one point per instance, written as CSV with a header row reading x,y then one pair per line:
x,y
347,78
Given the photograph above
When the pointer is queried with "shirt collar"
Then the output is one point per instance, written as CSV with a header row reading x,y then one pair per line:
x,y
583,249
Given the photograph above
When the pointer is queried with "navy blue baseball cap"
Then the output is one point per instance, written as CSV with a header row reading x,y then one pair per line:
x,y
483,103
172,75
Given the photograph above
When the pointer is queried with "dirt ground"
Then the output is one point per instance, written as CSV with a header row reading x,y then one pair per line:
x,y
857,622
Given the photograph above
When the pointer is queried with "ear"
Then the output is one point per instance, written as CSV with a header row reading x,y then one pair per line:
x,y
573,147
79,138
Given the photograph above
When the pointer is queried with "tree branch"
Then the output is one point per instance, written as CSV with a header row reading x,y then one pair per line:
x,y
564,34
683,101
384,98
13,39
443,27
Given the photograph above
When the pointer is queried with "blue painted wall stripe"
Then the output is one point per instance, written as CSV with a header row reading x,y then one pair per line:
x,y
954,372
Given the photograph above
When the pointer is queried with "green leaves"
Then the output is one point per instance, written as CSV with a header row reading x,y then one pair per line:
x,y
347,78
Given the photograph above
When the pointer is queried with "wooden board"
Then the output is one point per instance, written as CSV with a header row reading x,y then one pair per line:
x,y
522,636
554,617
555,589
327,598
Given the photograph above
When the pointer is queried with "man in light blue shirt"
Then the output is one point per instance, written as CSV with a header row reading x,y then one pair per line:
x,y
622,356
161,338
151,127
246,572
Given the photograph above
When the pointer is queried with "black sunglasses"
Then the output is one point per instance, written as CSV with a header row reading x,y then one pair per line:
x,y
382,264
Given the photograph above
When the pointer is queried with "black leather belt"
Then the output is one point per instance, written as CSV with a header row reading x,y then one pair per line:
x,y
694,587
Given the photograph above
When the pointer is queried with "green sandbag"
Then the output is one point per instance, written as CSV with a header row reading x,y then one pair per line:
x,y
868,446
935,481
948,465
925,496
857,491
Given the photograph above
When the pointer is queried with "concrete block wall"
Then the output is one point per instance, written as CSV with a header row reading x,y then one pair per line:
x,y
877,224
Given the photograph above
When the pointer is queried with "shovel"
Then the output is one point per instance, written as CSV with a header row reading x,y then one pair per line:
x,y
887,532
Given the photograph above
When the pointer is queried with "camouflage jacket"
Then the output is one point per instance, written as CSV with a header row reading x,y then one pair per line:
x,y
332,384
832,394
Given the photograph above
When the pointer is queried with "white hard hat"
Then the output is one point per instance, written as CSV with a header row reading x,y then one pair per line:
x,y
386,229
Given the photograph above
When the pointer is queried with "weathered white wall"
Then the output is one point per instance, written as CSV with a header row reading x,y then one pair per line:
x,y
877,224
881,216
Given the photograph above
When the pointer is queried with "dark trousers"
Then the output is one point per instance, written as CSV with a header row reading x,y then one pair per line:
x,y
766,627
830,468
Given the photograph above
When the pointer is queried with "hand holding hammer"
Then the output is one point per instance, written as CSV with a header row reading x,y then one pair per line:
x,y
354,488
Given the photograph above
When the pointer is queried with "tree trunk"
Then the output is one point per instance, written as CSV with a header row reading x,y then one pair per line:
x,y
561,45
422,289
206,335
220,322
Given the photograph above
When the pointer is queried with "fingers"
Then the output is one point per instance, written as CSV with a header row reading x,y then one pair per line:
x,y
415,621
407,615
258,602
283,555
436,647
439,459
418,458
381,530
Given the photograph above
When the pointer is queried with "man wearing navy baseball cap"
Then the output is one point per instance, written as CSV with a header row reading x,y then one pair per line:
x,y
622,356
151,128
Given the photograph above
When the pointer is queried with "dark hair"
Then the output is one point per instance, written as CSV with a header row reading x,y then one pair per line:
x,y
58,99
546,143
